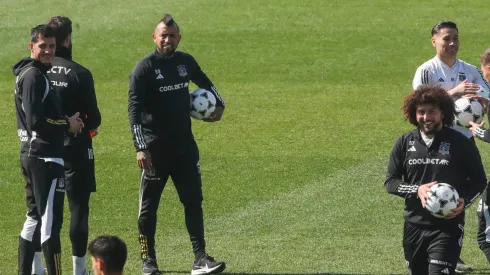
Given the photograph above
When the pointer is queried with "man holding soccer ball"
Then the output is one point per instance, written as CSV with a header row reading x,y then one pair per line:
x,y
457,77
159,116
432,153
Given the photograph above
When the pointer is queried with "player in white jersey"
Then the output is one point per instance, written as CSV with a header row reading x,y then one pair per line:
x,y
457,77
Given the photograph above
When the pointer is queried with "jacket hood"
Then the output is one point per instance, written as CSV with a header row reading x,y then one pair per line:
x,y
27,61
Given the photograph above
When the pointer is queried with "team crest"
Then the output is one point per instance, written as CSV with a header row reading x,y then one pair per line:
x,y
444,148
182,70
462,76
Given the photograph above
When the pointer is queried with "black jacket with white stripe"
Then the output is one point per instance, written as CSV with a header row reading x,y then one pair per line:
x,y
40,122
159,101
451,158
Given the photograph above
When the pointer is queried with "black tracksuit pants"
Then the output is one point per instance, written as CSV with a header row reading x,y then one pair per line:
x,y
183,167
432,251
44,195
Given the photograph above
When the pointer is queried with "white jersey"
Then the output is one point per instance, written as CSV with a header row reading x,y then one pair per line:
x,y
434,71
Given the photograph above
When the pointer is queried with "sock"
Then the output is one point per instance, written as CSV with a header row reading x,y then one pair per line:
x,y
79,265
37,264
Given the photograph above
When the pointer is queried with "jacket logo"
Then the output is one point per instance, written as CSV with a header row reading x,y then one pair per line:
x,y
182,70
444,148
462,76
159,74
428,161
411,149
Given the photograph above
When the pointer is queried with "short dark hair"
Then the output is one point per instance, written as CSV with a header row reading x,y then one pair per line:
x,y
40,31
485,57
169,21
429,94
111,250
443,25
62,26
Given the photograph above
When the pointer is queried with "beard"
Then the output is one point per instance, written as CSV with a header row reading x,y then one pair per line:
x,y
431,129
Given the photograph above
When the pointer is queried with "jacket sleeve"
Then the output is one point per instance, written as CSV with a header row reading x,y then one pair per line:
x,y
202,81
479,79
90,113
394,183
422,76
35,88
138,89
477,179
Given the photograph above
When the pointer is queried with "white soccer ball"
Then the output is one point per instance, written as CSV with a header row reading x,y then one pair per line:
x,y
468,109
442,199
483,92
203,103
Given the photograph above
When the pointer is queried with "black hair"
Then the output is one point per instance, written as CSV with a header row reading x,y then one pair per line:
x,y
111,250
443,25
62,27
40,31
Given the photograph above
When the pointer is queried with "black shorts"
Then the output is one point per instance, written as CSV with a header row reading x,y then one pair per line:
x,y
79,170
434,251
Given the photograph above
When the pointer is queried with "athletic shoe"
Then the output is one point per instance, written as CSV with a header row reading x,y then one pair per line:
x,y
461,267
206,264
150,267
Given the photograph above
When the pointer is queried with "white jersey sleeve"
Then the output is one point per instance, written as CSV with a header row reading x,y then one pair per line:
x,y
477,76
422,76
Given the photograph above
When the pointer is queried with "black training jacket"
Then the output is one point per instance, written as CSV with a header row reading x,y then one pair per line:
x,y
75,85
452,158
159,99
40,122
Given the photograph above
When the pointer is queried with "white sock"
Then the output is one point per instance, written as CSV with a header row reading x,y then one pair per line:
x,y
37,264
79,265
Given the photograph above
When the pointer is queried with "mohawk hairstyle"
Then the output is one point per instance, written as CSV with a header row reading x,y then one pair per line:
x,y
168,19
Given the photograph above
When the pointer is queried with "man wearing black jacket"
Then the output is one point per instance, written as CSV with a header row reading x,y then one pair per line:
x,y
161,127
75,85
41,128
431,153
480,132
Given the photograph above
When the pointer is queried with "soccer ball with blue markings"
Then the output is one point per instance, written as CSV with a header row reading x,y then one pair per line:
x,y
442,199
468,109
203,103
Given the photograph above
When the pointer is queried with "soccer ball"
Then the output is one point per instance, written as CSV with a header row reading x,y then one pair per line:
x,y
203,103
468,109
483,92
442,199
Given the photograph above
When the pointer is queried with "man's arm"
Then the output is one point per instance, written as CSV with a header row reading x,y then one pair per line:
x,y
35,88
136,103
202,81
90,113
477,179
394,183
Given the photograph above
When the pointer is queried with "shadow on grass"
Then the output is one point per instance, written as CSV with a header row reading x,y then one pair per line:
x,y
483,271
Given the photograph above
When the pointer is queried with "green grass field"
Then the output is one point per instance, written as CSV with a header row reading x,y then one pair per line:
x,y
293,174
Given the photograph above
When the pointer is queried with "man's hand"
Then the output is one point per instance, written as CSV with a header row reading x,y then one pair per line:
x,y
216,115
483,101
456,211
423,192
76,123
464,88
144,159
474,127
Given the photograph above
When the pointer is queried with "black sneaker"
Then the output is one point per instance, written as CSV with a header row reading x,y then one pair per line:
x,y
150,267
461,267
207,265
